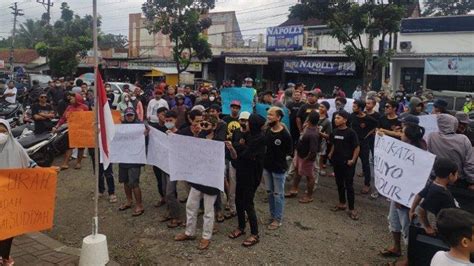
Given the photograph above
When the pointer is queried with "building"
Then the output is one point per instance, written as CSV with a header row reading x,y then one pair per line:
x,y
142,44
224,32
436,53
26,59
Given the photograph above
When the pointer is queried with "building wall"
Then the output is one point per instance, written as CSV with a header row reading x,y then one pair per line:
x,y
439,43
224,31
144,44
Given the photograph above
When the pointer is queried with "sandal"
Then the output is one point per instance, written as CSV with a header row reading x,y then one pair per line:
x,y
174,223
250,241
274,225
220,218
354,215
305,200
291,194
230,215
124,207
138,213
389,253
78,166
338,208
64,167
236,234
164,219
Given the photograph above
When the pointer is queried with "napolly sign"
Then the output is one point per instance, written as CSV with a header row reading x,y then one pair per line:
x,y
318,67
288,38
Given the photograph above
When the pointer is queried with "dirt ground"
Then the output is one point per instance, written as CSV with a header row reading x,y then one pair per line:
x,y
311,233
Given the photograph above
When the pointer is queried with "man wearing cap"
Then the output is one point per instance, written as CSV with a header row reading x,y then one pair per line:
x,y
156,103
204,99
232,120
469,105
248,82
293,108
440,107
463,126
180,109
311,105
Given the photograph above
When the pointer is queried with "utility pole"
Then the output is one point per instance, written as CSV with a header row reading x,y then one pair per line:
x,y
16,12
47,4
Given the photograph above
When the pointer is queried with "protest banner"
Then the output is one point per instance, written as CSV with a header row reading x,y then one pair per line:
x,y
244,95
81,128
262,110
128,144
158,150
400,169
27,198
333,109
198,161
430,123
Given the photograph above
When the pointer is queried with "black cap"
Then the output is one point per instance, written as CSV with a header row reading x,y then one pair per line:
x,y
161,109
409,118
440,103
215,106
326,104
343,114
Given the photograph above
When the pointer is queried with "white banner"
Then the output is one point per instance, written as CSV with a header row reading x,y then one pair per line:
x,y
128,145
198,161
401,170
430,123
332,103
158,150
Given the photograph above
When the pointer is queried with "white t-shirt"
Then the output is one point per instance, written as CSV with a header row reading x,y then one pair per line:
x,y
442,258
11,99
153,106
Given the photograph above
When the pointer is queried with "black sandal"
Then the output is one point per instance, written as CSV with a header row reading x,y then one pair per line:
x,y
250,241
236,234
124,207
230,215
338,208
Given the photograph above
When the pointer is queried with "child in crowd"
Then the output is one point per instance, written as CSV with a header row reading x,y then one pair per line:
x,y
455,226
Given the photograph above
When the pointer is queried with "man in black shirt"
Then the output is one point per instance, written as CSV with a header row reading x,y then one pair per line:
x,y
293,107
42,113
389,123
343,156
232,120
311,105
364,126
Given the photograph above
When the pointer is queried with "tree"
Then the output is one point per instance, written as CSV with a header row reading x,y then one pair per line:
x,y
447,7
107,41
69,37
349,22
30,33
184,21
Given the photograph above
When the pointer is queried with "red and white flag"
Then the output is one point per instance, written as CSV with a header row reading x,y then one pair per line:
x,y
106,122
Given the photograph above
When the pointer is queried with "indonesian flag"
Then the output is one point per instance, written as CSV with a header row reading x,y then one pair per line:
x,y
106,122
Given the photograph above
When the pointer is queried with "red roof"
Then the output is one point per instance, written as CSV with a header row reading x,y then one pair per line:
x,y
22,56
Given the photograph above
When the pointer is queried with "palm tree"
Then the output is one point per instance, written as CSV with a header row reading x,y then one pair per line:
x,y
30,33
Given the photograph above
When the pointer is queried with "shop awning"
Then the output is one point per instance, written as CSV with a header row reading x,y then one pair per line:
x,y
161,71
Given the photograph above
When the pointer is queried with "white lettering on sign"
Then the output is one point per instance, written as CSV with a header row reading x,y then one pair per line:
x,y
247,60
285,30
400,169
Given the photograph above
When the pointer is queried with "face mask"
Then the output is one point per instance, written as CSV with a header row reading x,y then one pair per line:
x,y
468,99
169,125
58,84
212,98
85,99
272,124
133,98
3,138
126,99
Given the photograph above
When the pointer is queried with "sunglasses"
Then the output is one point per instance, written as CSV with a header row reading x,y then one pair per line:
x,y
205,124
388,106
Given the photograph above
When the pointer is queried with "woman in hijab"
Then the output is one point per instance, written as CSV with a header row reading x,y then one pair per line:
x,y
76,104
137,105
248,154
12,155
124,103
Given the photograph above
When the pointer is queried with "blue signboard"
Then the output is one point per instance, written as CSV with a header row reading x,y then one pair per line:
x,y
244,95
288,38
261,109
318,67
451,66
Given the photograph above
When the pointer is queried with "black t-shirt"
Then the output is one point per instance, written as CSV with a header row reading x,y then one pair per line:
x,y
362,125
306,109
309,144
232,124
437,198
279,145
389,124
345,141
41,126
376,116
294,107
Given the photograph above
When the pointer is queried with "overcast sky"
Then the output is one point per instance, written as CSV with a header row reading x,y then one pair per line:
x,y
253,16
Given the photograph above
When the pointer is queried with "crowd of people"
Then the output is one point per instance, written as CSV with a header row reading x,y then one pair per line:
x,y
264,150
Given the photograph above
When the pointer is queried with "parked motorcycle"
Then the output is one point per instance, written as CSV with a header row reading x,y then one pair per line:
x,y
10,112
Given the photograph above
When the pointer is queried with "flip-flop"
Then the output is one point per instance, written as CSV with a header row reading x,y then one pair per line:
x,y
236,234
305,200
64,167
291,194
389,253
250,241
77,167
124,207
354,216
136,214
337,208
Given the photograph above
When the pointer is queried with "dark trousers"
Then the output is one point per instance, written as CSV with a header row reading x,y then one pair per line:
x,y
218,203
345,183
244,204
107,174
5,248
371,140
158,174
364,157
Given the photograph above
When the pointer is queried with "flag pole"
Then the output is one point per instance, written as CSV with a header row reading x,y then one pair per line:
x,y
94,249
95,219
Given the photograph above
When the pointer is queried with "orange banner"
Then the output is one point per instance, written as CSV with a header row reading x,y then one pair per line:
x,y
27,198
81,128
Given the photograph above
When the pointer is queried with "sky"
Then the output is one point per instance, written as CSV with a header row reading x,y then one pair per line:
x,y
253,16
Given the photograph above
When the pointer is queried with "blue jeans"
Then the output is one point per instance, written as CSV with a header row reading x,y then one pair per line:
x,y
275,185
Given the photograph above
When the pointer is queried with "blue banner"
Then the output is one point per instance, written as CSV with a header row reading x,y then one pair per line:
x,y
318,67
451,66
244,95
262,109
288,38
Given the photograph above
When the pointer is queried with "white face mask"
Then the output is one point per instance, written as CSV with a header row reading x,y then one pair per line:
x,y
3,138
212,98
126,99
133,98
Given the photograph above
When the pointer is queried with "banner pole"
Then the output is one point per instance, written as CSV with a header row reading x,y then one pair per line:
x,y
95,220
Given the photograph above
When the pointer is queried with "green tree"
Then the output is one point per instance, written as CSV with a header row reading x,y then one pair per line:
x,y
29,34
349,22
107,41
184,21
447,7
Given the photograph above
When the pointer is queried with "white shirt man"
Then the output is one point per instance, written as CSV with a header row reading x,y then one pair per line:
x,y
154,105
10,93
